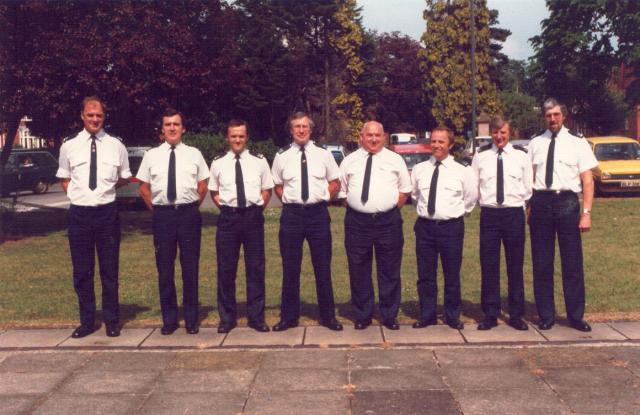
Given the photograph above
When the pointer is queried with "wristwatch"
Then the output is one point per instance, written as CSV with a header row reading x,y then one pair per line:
x,y
586,211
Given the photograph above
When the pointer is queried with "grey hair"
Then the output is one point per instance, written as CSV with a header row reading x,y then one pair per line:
x,y
298,115
552,102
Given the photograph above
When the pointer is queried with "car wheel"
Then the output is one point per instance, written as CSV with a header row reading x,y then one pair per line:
x,y
40,187
597,189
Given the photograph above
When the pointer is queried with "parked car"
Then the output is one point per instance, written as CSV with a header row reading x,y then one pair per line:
x,y
402,138
618,168
33,170
128,194
468,152
412,153
338,151
522,143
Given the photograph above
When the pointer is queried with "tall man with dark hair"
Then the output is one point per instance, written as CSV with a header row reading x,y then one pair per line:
x,y
240,185
92,165
562,162
306,177
504,177
173,184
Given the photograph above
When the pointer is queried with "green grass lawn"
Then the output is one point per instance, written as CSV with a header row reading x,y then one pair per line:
x,y
36,283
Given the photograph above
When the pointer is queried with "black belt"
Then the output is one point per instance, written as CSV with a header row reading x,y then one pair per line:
x,y
373,215
177,206
554,192
304,206
231,209
440,221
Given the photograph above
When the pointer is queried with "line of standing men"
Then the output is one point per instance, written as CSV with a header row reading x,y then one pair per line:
x,y
373,182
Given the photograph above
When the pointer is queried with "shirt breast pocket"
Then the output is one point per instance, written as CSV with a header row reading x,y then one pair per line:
x,y
109,169
453,187
189,171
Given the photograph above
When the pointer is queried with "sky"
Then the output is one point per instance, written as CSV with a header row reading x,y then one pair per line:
x,y
521,17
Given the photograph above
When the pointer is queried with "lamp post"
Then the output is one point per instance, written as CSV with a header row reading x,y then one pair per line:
x,y
472,36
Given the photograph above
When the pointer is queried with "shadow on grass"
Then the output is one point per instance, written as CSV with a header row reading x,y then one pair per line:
x,y
20,225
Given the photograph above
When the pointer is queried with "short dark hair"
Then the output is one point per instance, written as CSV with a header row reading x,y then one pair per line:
x,y
93,98
296,116
552,102
446,129
498,121
170,112
238,122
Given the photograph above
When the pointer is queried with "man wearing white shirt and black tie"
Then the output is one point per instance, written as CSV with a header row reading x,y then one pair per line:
x,y
376,184
173,184
504,175
444,190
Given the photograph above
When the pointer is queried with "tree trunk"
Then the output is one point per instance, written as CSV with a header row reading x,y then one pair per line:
x,y
12,129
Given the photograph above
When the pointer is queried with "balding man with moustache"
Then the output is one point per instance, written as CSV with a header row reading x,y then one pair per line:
x,y
373,222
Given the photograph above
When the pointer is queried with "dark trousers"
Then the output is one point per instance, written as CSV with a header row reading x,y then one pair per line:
x,y
91,230
240,227
173,228
557,214
312,223
443,238
364,233
504,225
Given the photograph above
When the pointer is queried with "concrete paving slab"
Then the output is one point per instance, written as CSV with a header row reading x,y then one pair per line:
x,y
599,401
501,334
498,377
392,358
92,404
400,379
29,383
604,377
244,336
628,357
127,338
600,332
206,338
181,381
323,337
436,402
44,362
298,402
218,360
93,383
499,358
630,329
14,405
34,337
110,361
274,380
305,359
440,334
509,401
567,356
193,404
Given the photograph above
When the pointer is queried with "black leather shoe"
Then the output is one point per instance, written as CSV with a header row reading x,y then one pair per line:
x,y
455,324
487,324
192,329
82,331
422,323
259,326
545,325
580,325
518,324
283,325
226,327
362,324
167,330
391,324
113,330
332,324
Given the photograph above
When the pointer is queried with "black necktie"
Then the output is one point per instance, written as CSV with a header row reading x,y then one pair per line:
x,y
367,180
93,167
242,200
548,178
431,204
171,180
305,176
500,190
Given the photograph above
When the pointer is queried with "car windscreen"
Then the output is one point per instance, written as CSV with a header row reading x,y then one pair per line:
x,y
414,158
617,151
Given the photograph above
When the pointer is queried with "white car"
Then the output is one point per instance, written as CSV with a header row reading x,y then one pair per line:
x,y
128,194
468,152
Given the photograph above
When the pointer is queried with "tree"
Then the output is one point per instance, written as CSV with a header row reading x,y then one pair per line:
x,y
445,61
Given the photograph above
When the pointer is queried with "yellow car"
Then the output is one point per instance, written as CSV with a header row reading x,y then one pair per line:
x,y
618,168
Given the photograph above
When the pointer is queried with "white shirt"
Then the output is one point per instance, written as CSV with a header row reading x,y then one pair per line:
x,y
190,169
321,169
572,156
75,160
255,175
456,191
389,178
517,175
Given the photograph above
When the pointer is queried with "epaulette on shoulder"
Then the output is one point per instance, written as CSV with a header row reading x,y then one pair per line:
x,y
484,148
538,133
219,156
319,145
256,154
118,138
463,162
71,137
519,147
285,148
576,133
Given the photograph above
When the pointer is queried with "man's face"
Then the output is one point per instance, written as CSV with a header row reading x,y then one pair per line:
x,y
372,137
440,145
301,131
93,117
554,119
500,136
172,129
237,138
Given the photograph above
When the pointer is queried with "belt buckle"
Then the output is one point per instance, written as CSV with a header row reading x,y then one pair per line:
x,y
557,192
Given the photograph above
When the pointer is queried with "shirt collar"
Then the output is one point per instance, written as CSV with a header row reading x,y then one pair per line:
x,y
99,135
445,162
306,146
506,149
167,147
243,154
